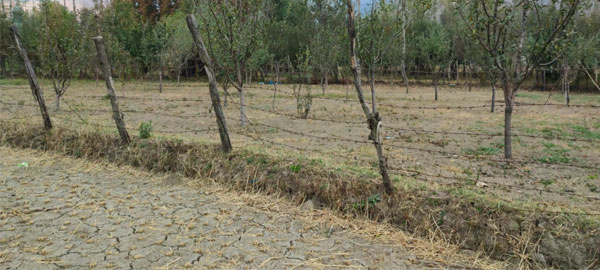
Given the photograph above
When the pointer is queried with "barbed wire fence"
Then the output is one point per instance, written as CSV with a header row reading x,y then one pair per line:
x,y
254,134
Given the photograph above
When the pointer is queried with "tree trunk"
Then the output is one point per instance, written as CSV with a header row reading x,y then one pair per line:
x,y
240,88
33,83
212,83
403,63
323,84
509,99
493,96
160,73
275,84
404,76
57,102
372,85
566,85
117,115
96,71
470,75
374,120
507,130
435,83
544,79
457,73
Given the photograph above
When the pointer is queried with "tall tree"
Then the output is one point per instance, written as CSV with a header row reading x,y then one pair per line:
x,y
60,46
431,43
234,30
500,28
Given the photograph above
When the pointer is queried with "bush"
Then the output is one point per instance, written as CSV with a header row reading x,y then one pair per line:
x,y
145,130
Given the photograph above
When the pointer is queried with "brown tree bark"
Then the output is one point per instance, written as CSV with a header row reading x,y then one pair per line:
x,y
33,83
106,72
373,118
275,84
435,83
493,96
160,75
212,82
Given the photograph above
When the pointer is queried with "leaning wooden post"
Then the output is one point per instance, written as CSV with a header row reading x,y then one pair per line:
x,y
105,66
212,83
33,83
373,118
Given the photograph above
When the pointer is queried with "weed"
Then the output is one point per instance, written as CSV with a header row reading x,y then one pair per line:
x,y
592,187
295,168
547,182
555,154
145,130
586,133
374,199
483,151
318,161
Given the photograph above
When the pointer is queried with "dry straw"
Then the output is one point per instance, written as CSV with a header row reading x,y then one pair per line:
x,y
445,221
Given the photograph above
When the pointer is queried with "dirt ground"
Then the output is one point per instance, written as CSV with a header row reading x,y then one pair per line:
x,y
64,213
424,140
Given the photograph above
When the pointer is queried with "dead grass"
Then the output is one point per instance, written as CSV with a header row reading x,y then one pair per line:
x,y
446,221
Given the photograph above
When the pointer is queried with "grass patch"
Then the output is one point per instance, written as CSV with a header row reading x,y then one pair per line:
x,y
554,154
483,151
586,133
14,81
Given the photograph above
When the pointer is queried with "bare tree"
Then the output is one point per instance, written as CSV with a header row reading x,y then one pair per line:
x,y
373,118
234,30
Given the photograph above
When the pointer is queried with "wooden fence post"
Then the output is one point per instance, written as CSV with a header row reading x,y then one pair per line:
x,y
105,66
212,83
33,83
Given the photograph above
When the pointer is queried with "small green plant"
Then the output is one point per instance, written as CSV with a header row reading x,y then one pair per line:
x,y
555,154
295,168
483,151
106,97
374,199
145,130
21,102
592,187
587,133
547,182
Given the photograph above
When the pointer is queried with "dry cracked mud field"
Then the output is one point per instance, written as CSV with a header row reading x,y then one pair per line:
x,y
63,213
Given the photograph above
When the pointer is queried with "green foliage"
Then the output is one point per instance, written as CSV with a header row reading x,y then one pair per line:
x,y
586,133
295,168
483,151
145,130
554,154
547,182
374,199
